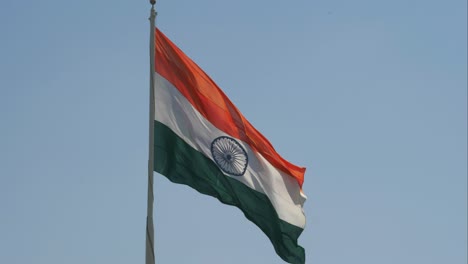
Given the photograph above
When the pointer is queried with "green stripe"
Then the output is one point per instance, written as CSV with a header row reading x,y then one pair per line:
x,y
181,163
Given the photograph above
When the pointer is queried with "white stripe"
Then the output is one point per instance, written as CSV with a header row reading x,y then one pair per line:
x,y
176,112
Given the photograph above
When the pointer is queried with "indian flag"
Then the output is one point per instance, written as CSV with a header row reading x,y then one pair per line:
x,y
202,140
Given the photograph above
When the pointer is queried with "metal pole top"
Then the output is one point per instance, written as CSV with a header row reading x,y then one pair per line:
x,y
153,2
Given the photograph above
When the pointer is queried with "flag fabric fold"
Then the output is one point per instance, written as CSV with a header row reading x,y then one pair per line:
x,y
202,140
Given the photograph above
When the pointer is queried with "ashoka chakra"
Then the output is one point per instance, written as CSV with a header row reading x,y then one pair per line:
x,y
229,155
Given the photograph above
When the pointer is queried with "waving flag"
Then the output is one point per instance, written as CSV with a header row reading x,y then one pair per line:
x,y
202,140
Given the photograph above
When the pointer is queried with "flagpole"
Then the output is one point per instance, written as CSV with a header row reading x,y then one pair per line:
x,y
150,256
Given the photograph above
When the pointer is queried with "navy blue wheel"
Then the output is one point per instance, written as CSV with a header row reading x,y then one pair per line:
x,y
229,155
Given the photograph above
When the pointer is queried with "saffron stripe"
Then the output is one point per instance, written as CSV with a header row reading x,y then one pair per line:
x,y
213,104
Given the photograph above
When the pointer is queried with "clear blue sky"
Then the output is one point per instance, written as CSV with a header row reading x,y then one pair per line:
x,y
370,96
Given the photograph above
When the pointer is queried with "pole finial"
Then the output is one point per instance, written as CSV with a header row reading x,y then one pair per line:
x,y
153,2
